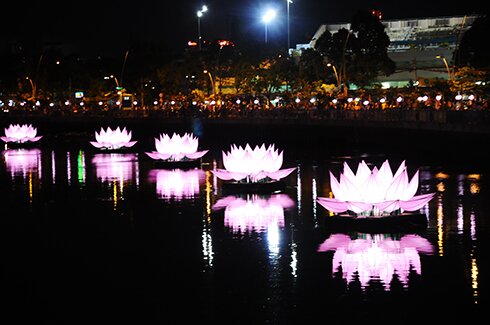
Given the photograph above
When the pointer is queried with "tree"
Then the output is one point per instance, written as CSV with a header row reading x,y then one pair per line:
x,y
360,54
472,50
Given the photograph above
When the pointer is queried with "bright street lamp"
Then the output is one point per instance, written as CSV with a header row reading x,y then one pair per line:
x,y
199,15
447,66
268,17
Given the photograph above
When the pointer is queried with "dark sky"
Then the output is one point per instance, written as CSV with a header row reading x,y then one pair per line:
x,y
111,24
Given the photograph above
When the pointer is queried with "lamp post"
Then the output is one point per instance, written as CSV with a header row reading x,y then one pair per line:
x,y
266,18
336,74
447,66
33,88
115,79
200,13
212,81
289,39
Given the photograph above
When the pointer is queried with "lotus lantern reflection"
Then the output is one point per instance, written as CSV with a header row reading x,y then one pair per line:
x,y
176,148
248,165
21,133
113,139
376,256
254,213
177,184
375,192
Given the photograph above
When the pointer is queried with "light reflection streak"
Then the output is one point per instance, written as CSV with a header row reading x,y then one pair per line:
x,y
440,226
376,257
314,197
68,167
294,260
206,238
81,170
53,168
460,218
298,189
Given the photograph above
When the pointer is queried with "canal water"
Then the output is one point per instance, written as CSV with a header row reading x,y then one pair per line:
x,y
90,236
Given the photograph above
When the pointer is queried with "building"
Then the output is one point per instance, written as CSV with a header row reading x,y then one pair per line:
x,y
422,48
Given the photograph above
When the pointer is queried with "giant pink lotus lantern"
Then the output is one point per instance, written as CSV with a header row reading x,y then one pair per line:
x,y
177,184
110,139
24,133
247,165
376,257
376,192
177,148
254,212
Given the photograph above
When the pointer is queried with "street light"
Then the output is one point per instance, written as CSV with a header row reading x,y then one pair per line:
x,y
199,15
447,66
266,18
336,74
115,79
289,40
212,81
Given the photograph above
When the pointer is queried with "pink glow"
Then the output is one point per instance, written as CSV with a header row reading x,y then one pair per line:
x,y
176,148
22,161
252,165
113,139
178,184
21,133
376,256
115,166
254,213
374,192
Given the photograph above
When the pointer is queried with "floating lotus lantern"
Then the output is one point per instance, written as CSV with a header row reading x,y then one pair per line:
x,y
376,257
113,139
178,148
376,192
246,165
24,133
254,212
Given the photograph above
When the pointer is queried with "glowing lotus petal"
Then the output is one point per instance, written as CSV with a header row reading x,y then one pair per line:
x,y
254,213
376,257
21,133
252,165
176,148
113,139
376,191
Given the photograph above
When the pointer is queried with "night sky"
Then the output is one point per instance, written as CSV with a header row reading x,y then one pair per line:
x,y
112,24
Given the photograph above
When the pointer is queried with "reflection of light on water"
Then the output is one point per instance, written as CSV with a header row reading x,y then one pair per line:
x,y
472,225
53,168
294,260
298,189
440,224
273,240
254,212
68,167
474,188
81,167
22,162
177,184
208,193
460,185
460,220
376,257
474,278
314,197
116,170
207,244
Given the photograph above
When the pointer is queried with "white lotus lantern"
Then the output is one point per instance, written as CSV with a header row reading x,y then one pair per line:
x,y
248,165
376,257
177,148
254,213
376,192
110,139
24,133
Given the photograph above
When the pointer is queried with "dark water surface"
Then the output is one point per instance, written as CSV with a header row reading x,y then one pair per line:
x,y
91,237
